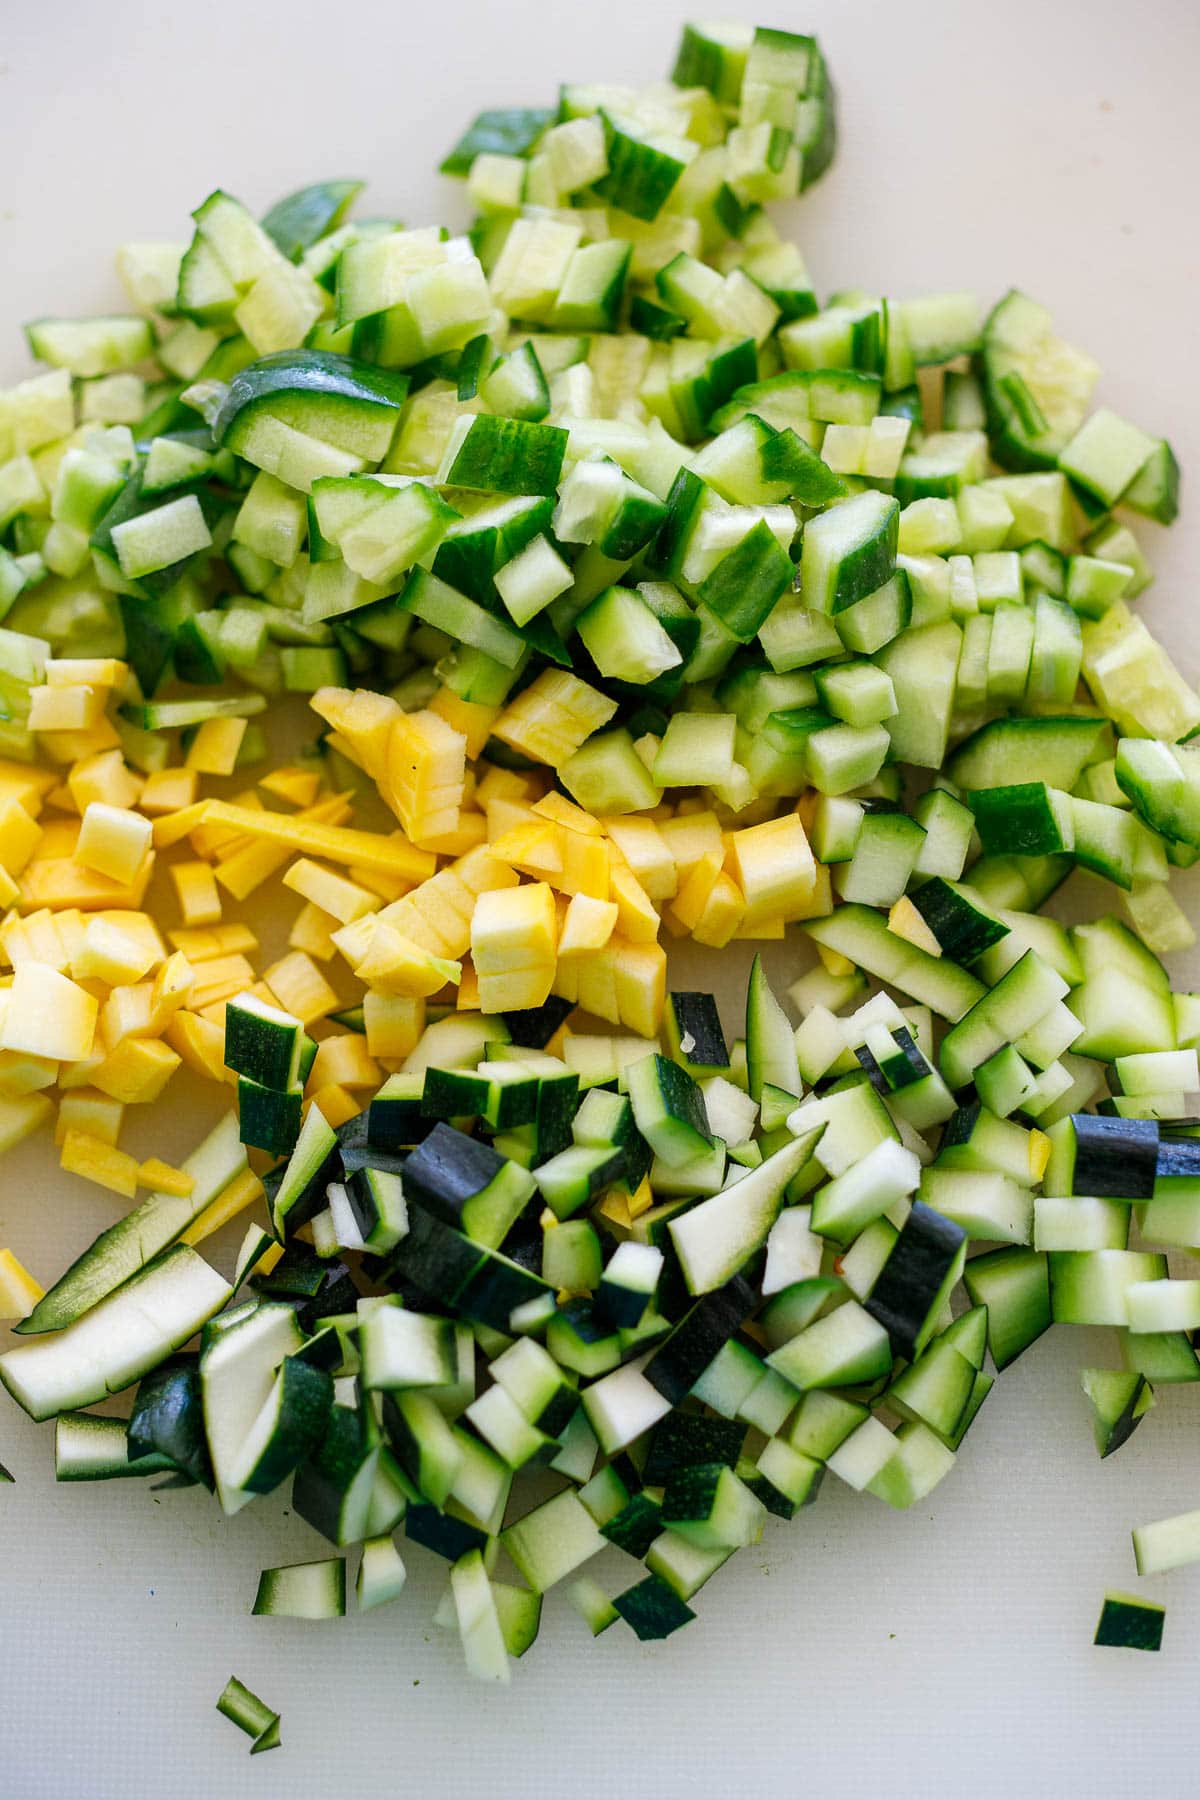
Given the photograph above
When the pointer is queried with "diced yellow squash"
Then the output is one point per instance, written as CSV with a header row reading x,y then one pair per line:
x,y
393,964
9,889
300,988
113,840
174,826
637,917
437,914
127,1012
906,922
197,892
336,1104
75,1075
647,853
387,887
18,1118
137,1070
344,1061
69,747
722,913
468,834
215,747
564,812
504,815
25,782
467,716
642,1198
332,892
247,867
613,1206
213,839
198,1043
172,989
588,925
312,932
513,946
21,1073
110,954
298,787
59,838
135,924
353,941
466,998
393,1024
514,928
104,777
71,924
535,848
1040,1148
333,843
87,1110
102,1163
219,980
48,1014
424,773
641,984
34,939
519,785
596,986
19,835
515,989
168,791
90,671
765,932
62,881
834,961
19,1292
164,1178
243,1191
690,836
775,867
585,865
363,718
66,708
549,720
689,903
222,940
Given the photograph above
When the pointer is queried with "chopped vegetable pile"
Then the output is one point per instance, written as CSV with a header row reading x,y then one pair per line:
x,y
636,596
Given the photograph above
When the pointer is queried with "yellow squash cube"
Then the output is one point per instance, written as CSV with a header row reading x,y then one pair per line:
x,y
343,899
587,926
775,868
312,932
19,1292
100,1162
113,840
110,954
214,749
19,835
393,1024
104,777
168,791
393,964
93,1113
137,1070
48,1015
300,987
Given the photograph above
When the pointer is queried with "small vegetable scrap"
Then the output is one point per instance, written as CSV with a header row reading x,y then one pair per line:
x,y
250,1714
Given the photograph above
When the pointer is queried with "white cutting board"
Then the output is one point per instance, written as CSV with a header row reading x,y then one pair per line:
x,y
1053,146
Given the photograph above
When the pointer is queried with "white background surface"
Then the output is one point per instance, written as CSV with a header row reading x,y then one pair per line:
x,y
1048,143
